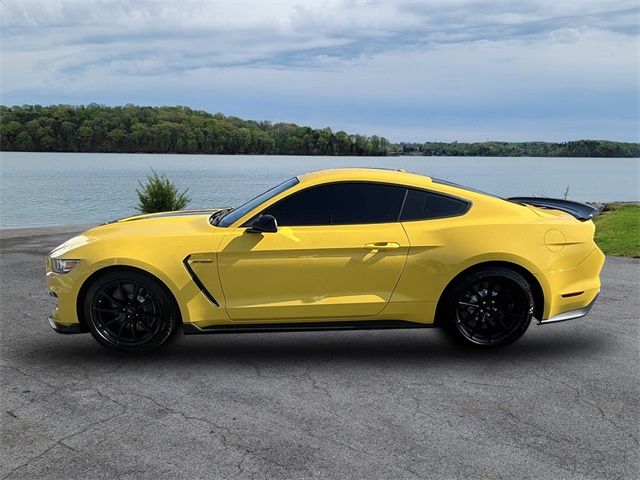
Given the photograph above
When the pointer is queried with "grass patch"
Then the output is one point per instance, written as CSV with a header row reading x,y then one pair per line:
x,y
618,229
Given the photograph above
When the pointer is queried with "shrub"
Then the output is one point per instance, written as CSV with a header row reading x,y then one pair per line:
x,y
159,194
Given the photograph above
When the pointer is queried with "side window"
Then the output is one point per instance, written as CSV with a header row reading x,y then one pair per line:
x,y
422,205
347,203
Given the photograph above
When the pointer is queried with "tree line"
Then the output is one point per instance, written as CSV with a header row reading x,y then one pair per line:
x,y
577,148
136,129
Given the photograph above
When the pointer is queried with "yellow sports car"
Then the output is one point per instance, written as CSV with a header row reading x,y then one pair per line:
x,y
332,250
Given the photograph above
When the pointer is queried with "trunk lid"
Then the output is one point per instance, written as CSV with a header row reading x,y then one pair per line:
x,y
580,211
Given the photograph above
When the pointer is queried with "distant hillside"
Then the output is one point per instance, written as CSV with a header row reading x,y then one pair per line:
x,y
577,148
134,129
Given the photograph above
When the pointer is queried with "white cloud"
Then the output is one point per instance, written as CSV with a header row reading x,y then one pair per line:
x,y
475,59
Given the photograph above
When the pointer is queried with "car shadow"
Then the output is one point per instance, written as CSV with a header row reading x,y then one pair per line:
x,y
432,346
425,348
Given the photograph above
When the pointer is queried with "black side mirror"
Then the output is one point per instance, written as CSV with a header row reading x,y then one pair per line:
x,y
264,224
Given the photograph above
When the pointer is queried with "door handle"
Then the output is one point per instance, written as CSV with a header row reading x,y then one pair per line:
x,y
382,246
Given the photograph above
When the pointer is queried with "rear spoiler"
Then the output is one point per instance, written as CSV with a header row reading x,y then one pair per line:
x,y
580,211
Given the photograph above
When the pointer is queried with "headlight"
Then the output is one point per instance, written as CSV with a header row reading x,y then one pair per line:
x,y
59,265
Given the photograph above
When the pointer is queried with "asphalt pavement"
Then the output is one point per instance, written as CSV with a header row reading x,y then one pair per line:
x,y
562,403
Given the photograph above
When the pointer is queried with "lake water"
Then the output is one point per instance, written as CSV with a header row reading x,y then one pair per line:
x,y
42,189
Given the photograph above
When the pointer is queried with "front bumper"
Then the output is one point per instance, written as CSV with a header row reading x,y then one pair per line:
x,y
571,315
64,288
65,329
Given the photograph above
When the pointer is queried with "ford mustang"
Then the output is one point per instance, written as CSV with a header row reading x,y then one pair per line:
x,y
331,250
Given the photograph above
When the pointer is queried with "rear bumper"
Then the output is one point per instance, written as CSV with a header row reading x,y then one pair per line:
x,y
573,289
570,315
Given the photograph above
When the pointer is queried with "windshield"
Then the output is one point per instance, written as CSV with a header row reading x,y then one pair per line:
x,y
237,213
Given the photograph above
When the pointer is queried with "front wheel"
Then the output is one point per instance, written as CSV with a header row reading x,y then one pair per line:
x,y
129,311
489,308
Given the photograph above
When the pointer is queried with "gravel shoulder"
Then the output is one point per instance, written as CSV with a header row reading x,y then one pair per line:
x,y
562,402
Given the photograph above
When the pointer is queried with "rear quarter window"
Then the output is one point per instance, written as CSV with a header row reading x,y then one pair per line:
x,y
423,205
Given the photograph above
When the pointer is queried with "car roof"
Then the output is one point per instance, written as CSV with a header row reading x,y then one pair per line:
x,y
398,176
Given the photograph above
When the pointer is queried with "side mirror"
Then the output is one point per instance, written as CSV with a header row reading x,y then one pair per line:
x,y
264,224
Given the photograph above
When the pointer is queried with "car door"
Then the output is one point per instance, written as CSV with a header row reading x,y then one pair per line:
x,y
338,252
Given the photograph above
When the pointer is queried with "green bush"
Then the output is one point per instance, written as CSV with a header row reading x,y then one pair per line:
x,y
159,194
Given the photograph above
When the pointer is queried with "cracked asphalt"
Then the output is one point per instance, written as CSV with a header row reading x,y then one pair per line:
x,y
562,402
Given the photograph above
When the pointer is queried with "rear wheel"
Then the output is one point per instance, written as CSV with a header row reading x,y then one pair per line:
x,y
129,311
489,308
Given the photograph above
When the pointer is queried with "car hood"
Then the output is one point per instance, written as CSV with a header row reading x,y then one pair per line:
x,y
177,213
134,228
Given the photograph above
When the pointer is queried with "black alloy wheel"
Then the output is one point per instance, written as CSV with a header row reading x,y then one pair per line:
x,y
129,311
490,307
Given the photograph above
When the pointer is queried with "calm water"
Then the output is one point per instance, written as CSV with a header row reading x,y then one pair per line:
x,y
39,189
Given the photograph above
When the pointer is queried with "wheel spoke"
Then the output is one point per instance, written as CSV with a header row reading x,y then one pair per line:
x,y
504,325
123,292
467,304
147,321
111,298
112,321
475,323
105,310
145,326
120,329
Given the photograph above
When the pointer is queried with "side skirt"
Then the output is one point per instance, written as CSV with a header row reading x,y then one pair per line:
x,y
190,329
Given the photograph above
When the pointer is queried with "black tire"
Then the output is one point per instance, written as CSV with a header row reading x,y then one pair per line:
x,y
129,311
489,308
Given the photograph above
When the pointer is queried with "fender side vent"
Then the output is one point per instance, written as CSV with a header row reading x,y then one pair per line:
x,y
198,282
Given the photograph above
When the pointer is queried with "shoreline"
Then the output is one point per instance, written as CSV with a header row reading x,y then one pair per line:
x,y
18,232
300,155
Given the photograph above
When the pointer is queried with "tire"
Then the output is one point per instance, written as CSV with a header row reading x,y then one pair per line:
x,y
489,308
129,311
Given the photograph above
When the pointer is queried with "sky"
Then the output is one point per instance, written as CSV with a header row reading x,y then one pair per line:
x,y
441,70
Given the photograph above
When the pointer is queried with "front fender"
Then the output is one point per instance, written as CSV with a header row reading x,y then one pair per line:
x,y
193,305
